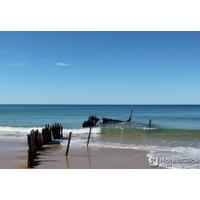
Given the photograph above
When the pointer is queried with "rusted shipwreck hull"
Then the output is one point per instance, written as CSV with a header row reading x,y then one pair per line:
x,y
115,121
93,120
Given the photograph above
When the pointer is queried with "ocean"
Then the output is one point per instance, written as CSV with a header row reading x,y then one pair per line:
x,y
173,142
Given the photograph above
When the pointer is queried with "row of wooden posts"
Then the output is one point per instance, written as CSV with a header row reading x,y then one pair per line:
x,y
48,136
36,140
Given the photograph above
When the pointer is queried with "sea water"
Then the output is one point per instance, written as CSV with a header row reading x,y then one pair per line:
x,y
173,142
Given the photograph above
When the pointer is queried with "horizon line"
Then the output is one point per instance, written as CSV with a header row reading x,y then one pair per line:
x,y
175,104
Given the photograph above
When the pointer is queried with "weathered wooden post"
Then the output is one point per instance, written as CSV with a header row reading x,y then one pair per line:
x,y
61,131
68,144
30,154
88,140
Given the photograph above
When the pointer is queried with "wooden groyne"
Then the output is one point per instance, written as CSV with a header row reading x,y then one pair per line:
x,y
35,143
36,140
48,136
57,131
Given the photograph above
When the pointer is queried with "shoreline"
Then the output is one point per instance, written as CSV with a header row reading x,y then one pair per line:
x,y
13,155
92,158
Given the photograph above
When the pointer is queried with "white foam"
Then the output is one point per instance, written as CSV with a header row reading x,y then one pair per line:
x,y
176,157
16,132
169,157
82,130
147,128
18,129
21,132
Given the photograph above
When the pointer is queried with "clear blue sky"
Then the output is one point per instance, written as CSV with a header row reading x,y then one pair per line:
x,y
100,67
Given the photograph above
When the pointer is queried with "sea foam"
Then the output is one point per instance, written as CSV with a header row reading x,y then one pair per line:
x,y
21,132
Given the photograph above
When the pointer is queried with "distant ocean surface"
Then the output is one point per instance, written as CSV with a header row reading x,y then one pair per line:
x,y
176,134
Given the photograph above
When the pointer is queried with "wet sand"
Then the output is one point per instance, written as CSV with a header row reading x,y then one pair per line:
x,y
13,154
92,158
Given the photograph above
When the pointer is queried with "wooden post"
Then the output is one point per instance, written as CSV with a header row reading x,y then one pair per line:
x,y
69,139
88,141
29,163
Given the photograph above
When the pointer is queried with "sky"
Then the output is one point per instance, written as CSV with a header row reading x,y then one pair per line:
x,y
99,67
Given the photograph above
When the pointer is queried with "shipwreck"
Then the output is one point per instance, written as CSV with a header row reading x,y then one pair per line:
x,y
93,120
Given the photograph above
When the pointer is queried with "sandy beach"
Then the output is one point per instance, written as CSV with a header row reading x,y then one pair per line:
x,y
92,158
13,154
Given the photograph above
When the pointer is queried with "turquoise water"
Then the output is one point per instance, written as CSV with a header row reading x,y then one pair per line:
x,y
72,116
176,130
